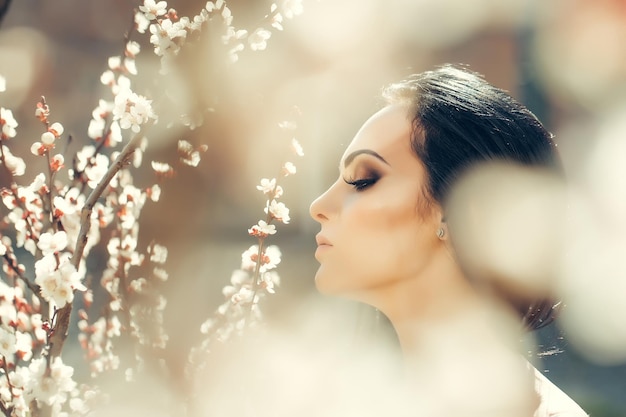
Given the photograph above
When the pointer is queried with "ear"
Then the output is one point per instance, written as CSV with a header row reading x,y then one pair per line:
x,y
442,231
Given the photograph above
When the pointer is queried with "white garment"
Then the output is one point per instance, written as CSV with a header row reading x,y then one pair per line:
x,y
553,401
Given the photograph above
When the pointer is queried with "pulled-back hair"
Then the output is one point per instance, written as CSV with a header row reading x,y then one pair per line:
x,y
460,120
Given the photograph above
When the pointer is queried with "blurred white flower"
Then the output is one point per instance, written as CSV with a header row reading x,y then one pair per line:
x,y
160,273
267,185
258,39
158,253
291,8
50,387
269,280
24,345
7,343
115,63
47,138
214,5
152,9
272,257
289,169
15,164
188,154
132,49
288,125
141,22
56,129
154,192
248,259
8,123
297,148
162,168
227,15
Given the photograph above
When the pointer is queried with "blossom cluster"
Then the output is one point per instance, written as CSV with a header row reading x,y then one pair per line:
x,y
90,199
168,31
257,276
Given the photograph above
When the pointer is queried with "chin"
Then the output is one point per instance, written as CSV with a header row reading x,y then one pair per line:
x,y
328,284
322,283
335,285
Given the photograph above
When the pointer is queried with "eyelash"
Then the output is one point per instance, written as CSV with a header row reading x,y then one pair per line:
x,y
362,184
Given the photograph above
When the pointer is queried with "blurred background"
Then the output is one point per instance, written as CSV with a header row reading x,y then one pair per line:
x,y
565,59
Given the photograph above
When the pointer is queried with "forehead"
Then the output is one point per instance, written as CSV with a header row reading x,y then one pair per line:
x,y
386,132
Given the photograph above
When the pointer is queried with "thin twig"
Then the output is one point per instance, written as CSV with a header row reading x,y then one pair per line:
x,y
33,287
59,333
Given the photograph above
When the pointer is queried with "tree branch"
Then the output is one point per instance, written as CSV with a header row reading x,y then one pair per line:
x,y
59,333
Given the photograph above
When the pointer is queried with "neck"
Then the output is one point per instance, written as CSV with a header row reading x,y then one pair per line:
x,y
441,296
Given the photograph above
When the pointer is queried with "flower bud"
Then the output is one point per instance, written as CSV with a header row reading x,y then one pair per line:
x,y
47,138
56,129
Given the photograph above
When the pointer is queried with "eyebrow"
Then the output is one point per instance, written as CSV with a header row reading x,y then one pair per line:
x,y
354,154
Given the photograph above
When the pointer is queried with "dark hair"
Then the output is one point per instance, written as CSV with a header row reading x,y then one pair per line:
x,y
460,120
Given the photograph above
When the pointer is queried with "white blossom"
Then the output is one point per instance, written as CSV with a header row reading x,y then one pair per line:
x,y
262,229
53,387
51,243
8,123
248,258
188,154
57,283
269,280
56,129
166,36
132,110
47,138
297,148
95,171
7,343
24,345
258,39
160,273
15,164
272,257
267,185
278,211
141,22
152,9
291,8
133,48
158,254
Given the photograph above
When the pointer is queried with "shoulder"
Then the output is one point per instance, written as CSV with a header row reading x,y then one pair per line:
x,y
552,401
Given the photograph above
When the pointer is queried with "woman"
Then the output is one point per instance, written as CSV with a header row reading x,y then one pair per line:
x,y
385,239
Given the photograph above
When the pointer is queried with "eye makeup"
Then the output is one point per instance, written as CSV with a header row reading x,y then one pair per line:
x,y
364,177
361,184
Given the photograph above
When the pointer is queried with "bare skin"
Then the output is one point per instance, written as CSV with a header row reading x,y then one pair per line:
x,y
378,242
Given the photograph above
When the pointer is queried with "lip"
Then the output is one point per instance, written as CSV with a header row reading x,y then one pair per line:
x,y
323,244
322,240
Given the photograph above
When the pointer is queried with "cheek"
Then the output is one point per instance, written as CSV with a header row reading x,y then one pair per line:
x,y
381,240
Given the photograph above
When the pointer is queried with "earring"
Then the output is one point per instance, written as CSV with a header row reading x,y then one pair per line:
x,y
441,233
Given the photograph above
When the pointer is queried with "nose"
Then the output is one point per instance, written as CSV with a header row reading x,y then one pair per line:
x,y
321,208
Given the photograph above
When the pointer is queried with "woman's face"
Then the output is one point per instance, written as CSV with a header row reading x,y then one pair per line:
x,y
376,226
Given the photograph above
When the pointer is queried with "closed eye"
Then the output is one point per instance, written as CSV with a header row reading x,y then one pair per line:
x,y
361,184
